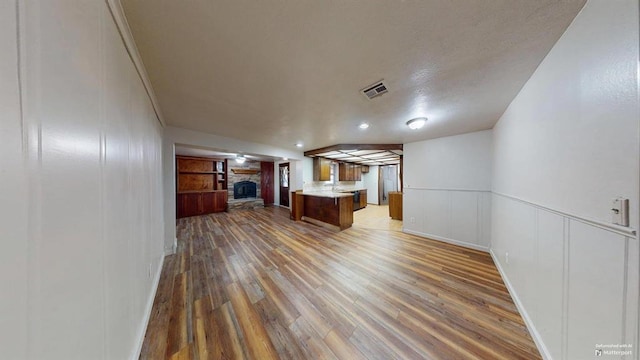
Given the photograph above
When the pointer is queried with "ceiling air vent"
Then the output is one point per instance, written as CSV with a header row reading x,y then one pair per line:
x,y
374,90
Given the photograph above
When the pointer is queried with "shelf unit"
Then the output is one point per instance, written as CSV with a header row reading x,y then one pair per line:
x,y
201,186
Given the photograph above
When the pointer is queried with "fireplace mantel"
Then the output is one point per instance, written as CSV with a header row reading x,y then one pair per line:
x,y
245,171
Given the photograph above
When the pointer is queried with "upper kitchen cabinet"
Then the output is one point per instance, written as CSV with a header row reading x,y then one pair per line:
x,y
349,172
321,169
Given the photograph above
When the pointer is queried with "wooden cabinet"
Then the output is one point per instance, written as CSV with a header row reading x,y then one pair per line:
x,y
188,205
297,205
215,201
201,186
266,182
363,199
337,211
343,169
200,203
395,205
321,169
349,172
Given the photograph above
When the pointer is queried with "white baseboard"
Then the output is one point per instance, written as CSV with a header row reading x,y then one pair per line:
x,y
523,312
447,240
147,311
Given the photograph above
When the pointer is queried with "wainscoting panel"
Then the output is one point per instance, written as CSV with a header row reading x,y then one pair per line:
x,y
574,282
464,216
596,272
456,216
437,212
545,308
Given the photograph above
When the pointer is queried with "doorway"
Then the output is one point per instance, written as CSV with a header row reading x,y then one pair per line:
x,y
387,181
284,184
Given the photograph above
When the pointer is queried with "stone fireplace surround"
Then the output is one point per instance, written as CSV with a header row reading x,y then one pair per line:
x,y
233,178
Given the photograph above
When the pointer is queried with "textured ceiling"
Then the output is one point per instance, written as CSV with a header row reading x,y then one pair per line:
x,y
279,72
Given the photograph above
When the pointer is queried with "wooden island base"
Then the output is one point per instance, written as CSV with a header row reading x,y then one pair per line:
x,y
333,210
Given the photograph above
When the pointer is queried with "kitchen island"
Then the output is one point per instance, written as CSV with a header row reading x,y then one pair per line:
x,y
329,209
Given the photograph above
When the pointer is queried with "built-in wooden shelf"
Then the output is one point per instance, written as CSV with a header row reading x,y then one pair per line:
x,y
201,186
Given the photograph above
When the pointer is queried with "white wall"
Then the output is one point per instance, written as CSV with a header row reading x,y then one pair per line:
x,y
307,170
81,210
461,162
447,184
13,194
370,182
565,147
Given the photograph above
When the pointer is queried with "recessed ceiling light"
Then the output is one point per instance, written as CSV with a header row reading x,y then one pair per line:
x,y
285,159
298,144
417,123
363,126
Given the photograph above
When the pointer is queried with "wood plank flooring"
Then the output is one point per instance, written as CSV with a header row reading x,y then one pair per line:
x,y
256,285
376,217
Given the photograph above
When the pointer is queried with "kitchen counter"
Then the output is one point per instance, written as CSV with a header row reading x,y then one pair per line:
x,y
324,208
329,194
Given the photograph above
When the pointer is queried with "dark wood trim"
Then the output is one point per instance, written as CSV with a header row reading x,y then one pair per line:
x,y
245,171
338,147
401,171
200,158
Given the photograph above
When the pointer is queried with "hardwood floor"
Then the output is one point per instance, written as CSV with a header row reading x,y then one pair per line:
x,y
376,217
256,285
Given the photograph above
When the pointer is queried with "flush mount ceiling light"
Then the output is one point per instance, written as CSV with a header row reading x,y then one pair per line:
x,y
417,123
299,144
240,159
363,126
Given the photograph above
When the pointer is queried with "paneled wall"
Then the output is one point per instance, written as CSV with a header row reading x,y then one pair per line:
x,y
446,193
81,194
454,216
576,282
566,146
14,220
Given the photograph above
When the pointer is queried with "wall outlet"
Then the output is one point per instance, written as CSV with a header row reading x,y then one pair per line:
x,y
506,257
412,220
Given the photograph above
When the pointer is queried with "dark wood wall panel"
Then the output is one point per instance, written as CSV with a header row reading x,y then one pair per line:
x,y
196,182
195,165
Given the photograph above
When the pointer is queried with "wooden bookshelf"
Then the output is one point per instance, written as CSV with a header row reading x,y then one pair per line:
x,y
201,186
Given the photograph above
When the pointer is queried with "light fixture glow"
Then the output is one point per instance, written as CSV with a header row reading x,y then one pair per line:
x,y
240,159
285,159
417,123
299,145
363,126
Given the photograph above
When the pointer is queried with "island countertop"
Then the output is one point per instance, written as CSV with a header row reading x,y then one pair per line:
x,y
329,194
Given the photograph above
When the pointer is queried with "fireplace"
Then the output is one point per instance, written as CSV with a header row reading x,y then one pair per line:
x,y
244,189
